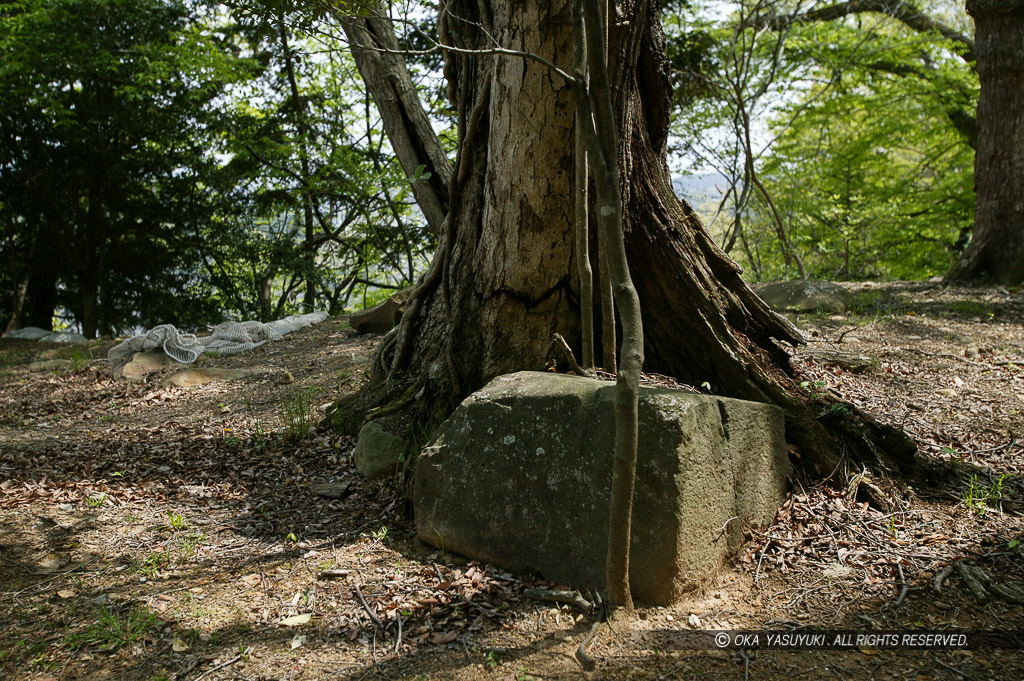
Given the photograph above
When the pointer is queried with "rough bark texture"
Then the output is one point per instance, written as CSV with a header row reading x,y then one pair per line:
x,y
997,248
501,283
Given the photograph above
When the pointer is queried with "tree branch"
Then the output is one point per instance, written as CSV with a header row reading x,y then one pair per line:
x,y
906,13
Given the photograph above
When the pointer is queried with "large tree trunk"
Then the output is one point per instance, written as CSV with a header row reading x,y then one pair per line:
x,y
42,294
997,248
501,282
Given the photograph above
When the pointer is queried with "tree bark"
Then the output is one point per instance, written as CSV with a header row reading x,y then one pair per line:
x,y
500,285
596,123
997,249
375,50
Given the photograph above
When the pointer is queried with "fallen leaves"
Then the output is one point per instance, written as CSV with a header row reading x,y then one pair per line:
x,y
296,620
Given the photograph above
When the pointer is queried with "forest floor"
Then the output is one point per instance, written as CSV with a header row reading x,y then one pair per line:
x,y
167,533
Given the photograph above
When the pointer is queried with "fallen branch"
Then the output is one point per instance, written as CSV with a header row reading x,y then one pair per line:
x,y
904,589
586,661
230,662
572,598
371,613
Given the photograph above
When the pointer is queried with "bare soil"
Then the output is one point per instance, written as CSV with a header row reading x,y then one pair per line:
x,y
168,533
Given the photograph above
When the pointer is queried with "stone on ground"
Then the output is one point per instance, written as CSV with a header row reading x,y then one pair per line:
x,y
805,295
378,451
28,333
380,318
45,336
519,476
50,365
142,364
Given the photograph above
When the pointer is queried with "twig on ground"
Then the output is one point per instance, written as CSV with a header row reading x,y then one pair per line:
x,y
904,589
230,662
371,613
585,660
398,639
572,598
941,577
962,674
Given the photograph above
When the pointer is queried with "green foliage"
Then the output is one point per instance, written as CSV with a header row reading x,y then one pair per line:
x,y
861,133
875,181
109,114
979,497
114,629
175,520
325,211
172,161
299,413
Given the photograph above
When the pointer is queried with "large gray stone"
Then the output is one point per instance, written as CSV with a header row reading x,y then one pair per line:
x,y
44,336
520,476
378,451
29,333
805,295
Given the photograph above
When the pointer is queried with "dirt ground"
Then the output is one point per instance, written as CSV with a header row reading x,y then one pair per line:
x,y
214,533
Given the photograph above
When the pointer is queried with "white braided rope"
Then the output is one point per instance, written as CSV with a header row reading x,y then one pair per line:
x,y
228,338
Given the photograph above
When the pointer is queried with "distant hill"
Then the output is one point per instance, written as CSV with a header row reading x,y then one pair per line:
x,y
699,189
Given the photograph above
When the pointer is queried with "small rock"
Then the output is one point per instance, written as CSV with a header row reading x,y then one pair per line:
x,y
143,364
805,295
693,621
52,561
331,490
378,451
50,365
380,318
29,333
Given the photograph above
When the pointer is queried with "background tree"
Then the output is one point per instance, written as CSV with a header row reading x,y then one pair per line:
x,y
850,100
997,249
107,125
